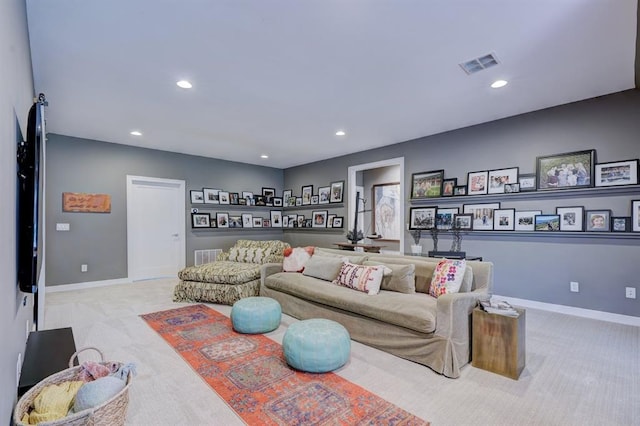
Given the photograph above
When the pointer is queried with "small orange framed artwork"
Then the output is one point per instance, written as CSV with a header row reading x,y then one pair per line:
x,y
80,202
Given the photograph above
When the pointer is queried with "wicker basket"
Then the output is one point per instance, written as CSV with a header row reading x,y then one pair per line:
x,y
110,412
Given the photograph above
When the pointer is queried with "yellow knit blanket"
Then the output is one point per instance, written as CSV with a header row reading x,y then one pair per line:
x,y
52,403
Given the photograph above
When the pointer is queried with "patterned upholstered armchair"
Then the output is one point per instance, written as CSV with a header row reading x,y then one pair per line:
x,y
233,276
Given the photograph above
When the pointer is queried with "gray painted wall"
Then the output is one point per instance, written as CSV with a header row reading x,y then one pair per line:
x,y
532,267
100,239
16,95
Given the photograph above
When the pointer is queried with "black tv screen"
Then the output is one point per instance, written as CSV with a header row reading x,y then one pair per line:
x,y
29,209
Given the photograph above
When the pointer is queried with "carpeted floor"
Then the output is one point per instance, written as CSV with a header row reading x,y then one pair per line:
x,y
250,373
579,371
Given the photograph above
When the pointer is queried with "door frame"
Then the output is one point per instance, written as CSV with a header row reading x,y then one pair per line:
x,y
153,181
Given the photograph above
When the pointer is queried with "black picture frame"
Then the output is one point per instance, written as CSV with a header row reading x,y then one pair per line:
x,y
307,193
597,220
324,195
620,223
222,219
422,217
235,221
463,221
499,177
477,182
635,215
527,182
525,220
617,173
200,220
319,218
337,191
504,219
247,220
427,184
571,218
482,215
234,198
286,196
448,187
337,222
444,217
277,201
211,195
268,194
223,197
568,170
546,222
460,190
276,218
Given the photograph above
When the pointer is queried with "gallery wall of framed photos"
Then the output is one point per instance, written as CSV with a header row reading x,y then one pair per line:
x,y
507,201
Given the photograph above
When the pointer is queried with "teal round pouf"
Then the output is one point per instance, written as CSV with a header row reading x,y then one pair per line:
x,y
254,315
316,345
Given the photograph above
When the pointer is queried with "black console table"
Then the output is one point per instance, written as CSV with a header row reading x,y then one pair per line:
x,y
47,352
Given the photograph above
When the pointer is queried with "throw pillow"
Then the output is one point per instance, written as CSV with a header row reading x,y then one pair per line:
x,y
447,278
467,280
359,277
397,277
323,267
295,258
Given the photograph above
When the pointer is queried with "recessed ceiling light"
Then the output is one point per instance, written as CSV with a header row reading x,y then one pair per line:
x,y
265,156
136,133
340,133
184,84
498,84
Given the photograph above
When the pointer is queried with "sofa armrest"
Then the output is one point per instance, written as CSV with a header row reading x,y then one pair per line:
x,y
453,313
269,269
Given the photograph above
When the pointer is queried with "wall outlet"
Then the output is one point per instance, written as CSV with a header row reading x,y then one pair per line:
x,y
62,227
630,292
84,267
574,286
18,369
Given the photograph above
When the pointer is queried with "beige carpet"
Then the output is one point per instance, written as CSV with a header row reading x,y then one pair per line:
x,y
579,371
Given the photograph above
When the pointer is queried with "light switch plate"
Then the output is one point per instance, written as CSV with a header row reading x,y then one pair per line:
x,y
62,226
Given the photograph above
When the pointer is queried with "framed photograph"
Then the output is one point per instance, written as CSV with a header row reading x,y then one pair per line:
x,y
293,201
547,222
448,187
308,223
463,221
565,171
197,197
277,201
527,182
482,215
247,220
499,178
234,198
324,195
571,218
524,220
307,192
598,220
337,222
223,197
427,184
257,222
276,218
330,218
635,215
211,195
510,188
444,217
266,223
268,194
314,199
300,221
286,196
385,208
337,192
319,219
200,220
222,219
259,200
293,220
477,182
460,190
248,196
285,221
617,173
213,222
620,224
235,221
422,217
242,201
504,219
299,201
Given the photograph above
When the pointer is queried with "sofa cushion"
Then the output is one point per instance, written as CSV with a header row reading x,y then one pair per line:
x,y
424,268
359,277
222,272
296,258
323,267
277,248
248,254
447,277
412,311
351,256
402,278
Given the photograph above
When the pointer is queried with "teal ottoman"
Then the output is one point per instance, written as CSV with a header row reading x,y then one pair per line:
x,y
316,345
254,315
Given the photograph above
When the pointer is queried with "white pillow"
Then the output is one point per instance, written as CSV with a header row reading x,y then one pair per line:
x,y
295,258
447,278
362,278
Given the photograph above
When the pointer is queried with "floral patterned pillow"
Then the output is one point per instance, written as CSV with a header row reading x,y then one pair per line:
x,y
447,278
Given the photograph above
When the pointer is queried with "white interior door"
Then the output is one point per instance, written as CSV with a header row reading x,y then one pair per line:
x,y
155,227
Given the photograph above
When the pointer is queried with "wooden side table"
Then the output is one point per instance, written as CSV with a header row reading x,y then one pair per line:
x,y
498,343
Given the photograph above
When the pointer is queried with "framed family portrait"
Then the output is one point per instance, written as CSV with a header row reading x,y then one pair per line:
x,y
307,193
524,220
547,222
427,184
463,221
319,219
617,173
598,220
444,217
211,195
527,182
482,215
501,177
324,195
200,220
337,192
504,219
571,218
268,194
422,217
565,171
477,182
460,190
223,197
635,215
286,196
385,209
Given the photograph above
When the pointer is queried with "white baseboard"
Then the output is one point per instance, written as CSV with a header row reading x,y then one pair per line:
x,y
570,310
91,284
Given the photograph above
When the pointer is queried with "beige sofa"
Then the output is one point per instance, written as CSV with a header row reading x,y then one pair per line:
x,y
416,326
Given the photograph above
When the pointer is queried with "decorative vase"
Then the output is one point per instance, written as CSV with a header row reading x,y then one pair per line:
x,y
416,249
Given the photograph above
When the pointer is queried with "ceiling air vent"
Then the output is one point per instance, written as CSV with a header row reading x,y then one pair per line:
x,y
479,64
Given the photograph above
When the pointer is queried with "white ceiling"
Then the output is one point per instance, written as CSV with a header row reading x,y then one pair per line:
x,y
282,76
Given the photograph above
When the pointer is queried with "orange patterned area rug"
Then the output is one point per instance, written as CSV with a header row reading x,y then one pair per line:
x,y
250,373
